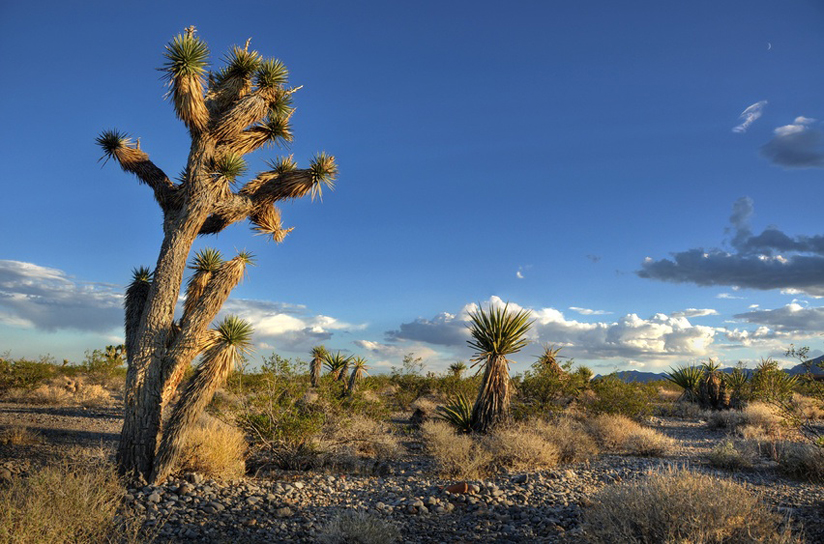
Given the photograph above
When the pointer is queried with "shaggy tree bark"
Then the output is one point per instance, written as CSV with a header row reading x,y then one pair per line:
x,y
244,106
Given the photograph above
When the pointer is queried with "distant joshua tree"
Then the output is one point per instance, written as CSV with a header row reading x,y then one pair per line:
x,y
495,334
457,369
359,369
319,355
241,107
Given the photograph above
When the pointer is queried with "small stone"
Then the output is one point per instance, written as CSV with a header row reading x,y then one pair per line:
x,y
299,485
520,479
155,497
283,512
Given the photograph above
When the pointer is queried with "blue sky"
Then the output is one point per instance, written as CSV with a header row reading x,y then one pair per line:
x,y
645,176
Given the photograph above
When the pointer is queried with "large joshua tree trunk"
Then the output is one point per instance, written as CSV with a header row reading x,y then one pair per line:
x,y
492,405
243,106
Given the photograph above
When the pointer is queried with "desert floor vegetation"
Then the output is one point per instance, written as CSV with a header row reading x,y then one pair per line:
x,y
678,505
273,426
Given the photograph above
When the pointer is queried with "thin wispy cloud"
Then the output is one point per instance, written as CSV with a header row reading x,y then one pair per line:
x,y
797,145
750,116
587,311
766,261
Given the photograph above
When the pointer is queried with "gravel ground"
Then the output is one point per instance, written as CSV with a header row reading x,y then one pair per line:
x,y
294,506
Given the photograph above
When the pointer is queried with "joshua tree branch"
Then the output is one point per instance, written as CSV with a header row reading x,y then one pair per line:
x,y
133,159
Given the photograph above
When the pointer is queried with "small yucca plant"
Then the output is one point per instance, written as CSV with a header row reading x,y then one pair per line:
x,y
457,369
495,334
687,378
457,413
337,364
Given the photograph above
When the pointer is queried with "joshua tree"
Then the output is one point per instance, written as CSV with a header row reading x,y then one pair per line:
x,y
495,334
319,355
457,369
548,360
359,369
229,113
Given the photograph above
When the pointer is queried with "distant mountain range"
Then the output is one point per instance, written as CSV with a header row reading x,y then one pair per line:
x,y
645,377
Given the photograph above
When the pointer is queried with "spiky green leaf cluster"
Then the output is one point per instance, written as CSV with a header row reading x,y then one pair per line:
x,y
457,413
246,257
207,260
498,332
324,171
737,379
271,74
142,274
336,362
236,332
240,63
283,164
320,352
282,106
710,366
687,378
278,131
231,166
112,140
186,55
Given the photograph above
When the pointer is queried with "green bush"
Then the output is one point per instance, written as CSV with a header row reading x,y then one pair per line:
x,y
544,389
26,374
612,395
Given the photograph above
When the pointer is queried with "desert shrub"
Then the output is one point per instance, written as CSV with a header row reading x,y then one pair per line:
x,y
619,433
681,409
615,396
457,455
518,447
648,443
360,436
24,373
108,362
19,435
734,455
409,383
357,527
64,391
802,460
771,384
570,437
678,505
214,449
546,389
65,503
755,415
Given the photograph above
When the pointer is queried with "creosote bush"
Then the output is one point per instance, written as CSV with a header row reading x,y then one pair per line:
x,y
734,455
612,395
678,505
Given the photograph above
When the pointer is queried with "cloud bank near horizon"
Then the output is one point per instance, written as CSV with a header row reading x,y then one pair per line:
x,y
770,260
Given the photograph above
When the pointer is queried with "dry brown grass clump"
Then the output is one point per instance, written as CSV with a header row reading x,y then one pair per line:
x,y
530,445
619,433
457,455
63,391
19,436
802,460
678,505
755,416
570,437
518,447
359,436
65,503
358,527
214,449
734,455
